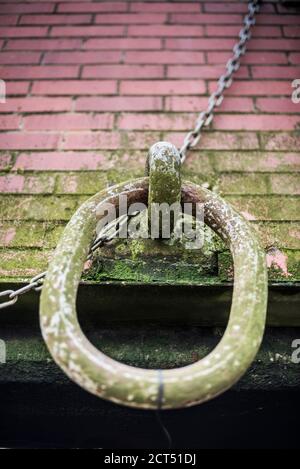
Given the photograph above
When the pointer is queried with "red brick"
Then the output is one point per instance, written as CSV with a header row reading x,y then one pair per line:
x,y
43,44
275,72
89,7
233,7
92,140
156,121
277,19
195,104
256,88
9,122
162,87
56,19
119,103
274,44
255,122
206,19
249,58
166,30
203,71
77,31
68,122
23,31
277,105
123,43
15,183
164,57
291,31
31,104
131,19
219,140
123,71
16,88
28,141
199,43
165,7
64,161
295,58
19,57
6,20
257,31
36,7
24,72
79,57
74,87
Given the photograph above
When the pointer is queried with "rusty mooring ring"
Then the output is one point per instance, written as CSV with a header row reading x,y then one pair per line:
x,y
144,388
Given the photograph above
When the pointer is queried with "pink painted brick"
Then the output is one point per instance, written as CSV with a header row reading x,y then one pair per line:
x,y
20,57
6,20
36,104
9,122
203,71
274,44
131,18
119,103
295,58
275,72
22,8
258,31
17,88
14,183
5,161
156,122
256,88
162,87
89,7
199,43
60,161
277,19
43,44
205,18
28,141
56,19
68,122
123,43
82,57
74,87
164,57
39,72
84,31
219,140
291,31
250,58
165,30
92,140
194,103
123,71
18,31
256,122
277,105
165,7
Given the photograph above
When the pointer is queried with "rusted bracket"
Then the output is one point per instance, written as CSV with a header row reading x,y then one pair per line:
x,y
145,388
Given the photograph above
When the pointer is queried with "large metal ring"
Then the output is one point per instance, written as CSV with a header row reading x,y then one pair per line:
x,y
144,388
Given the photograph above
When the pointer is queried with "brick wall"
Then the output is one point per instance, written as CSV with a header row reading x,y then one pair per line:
x,y
92,84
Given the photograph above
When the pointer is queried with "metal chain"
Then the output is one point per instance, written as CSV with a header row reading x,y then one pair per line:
x,y
109,232
225,81
192,138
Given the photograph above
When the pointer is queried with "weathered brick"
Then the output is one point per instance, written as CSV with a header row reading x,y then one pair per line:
x,y
164,57
219,140
82,57
190,43
224,7
89,7
22,234
74,87
156,121
36,104
91,140
9,122
23,31
123,43
68,122
83,31
249,58
5,161
271,207
258,31
6,20
203,71
205,18
20,57
256,88
261,183
36,7
56,19
165,87
294,58
131,18
119,103
17,88
81,183
277,105
255,122
248,162
123,71
194,103
291,31
281,141
275,72
43,44
165,7
28,141
21,264
17,183
165,30
39,72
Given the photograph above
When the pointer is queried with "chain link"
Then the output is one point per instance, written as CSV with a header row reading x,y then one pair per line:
x,y
108,233
112,230
225,81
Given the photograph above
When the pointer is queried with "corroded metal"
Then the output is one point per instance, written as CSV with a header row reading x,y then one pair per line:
x,y
144,388
163,168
